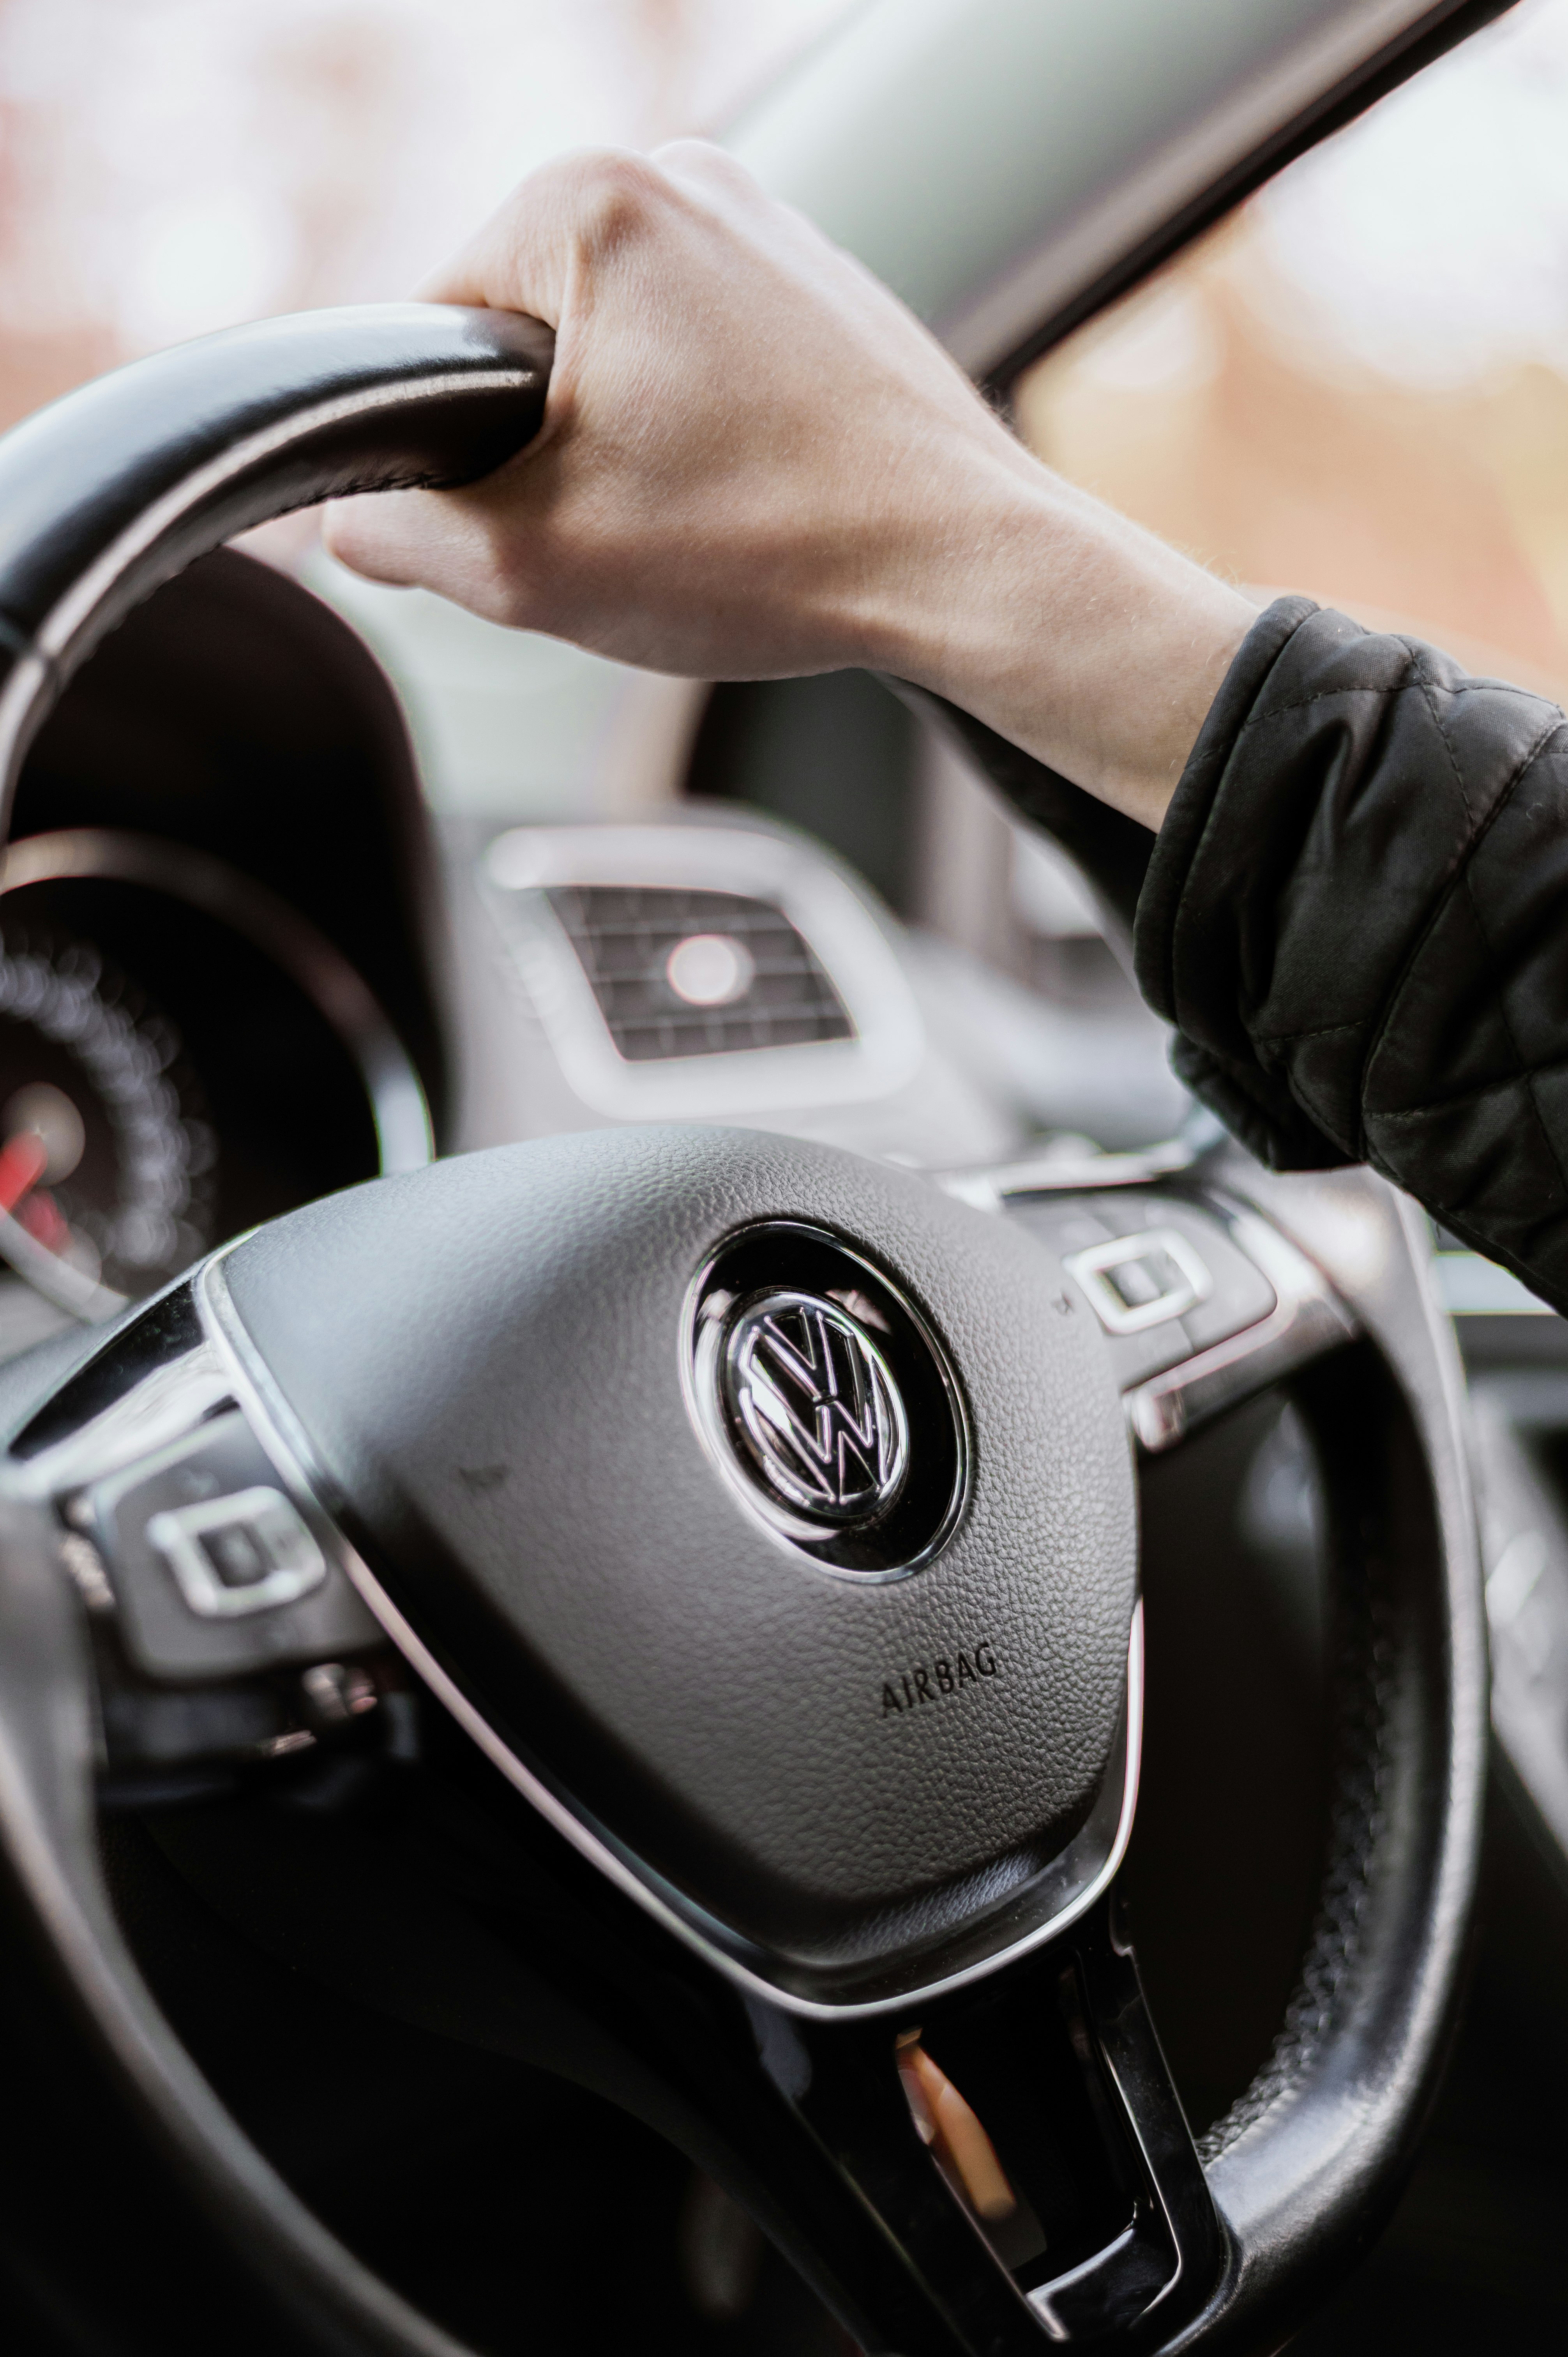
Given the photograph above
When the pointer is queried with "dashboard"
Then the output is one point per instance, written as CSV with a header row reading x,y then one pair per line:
x,y
242,965
217,993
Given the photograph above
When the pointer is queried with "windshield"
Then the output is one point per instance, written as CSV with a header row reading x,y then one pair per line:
x,y
171,170
1357,385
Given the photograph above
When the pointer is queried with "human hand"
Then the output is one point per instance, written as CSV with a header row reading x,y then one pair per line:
x,y
756,463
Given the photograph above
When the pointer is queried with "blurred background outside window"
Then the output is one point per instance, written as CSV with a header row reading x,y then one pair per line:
x,y
172,167
1356,386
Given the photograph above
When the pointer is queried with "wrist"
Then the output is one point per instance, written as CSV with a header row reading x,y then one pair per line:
x,y
1068,630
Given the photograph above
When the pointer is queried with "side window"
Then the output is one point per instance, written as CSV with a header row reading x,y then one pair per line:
x,y
1357,385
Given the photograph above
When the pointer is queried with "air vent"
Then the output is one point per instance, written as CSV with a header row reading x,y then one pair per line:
x,y
680,972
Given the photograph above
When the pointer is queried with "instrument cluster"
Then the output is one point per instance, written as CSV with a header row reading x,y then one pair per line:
x,y
182,1055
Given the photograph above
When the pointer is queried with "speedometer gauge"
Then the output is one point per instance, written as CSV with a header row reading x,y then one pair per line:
x,y
106,1154
182,1056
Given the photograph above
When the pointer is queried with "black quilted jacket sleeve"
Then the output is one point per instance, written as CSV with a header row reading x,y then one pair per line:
x,y
1356,915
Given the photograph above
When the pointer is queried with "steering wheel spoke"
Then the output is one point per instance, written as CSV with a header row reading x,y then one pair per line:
x,y
1000,2168
1021,2148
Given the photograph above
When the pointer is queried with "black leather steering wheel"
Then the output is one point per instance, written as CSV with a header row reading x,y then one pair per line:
x,y
763,1521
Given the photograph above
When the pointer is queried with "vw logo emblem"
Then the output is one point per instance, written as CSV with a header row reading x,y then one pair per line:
x,y
814,1405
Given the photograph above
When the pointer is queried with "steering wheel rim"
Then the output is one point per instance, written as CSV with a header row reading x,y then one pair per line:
x,y
111,492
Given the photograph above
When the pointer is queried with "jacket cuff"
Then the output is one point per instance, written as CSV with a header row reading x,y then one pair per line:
x,y
1257,1105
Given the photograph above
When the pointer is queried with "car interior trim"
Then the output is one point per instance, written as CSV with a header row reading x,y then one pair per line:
x,y
991,1188
1253,90
821,902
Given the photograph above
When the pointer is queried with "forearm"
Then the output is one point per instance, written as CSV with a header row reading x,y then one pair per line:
x,y
1073,634
756,463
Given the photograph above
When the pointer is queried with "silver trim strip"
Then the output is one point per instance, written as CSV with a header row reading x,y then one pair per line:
x,y
68,1288
164,1408
990,1186
285,1442
1094,1266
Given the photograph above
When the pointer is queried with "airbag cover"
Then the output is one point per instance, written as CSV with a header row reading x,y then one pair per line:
x,y
487,1357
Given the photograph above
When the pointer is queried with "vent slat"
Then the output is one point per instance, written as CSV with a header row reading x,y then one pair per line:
x,y
623,936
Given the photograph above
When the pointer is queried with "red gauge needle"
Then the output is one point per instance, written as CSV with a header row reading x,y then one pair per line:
x,y
24,1158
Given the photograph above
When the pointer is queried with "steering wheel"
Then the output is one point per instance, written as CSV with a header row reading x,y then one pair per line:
x,y
762,1521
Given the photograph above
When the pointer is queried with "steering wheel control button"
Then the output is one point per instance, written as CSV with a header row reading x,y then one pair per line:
x,y
1136,1281
815,1405
1103,1242
244,1554
215,1570
826,1401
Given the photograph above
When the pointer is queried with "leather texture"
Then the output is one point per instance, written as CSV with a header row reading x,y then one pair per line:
x,y
118,486
1305,2166
1354,918
323,2298
486,1359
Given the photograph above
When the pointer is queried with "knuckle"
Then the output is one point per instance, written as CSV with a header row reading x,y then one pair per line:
x,y
700,160
613,198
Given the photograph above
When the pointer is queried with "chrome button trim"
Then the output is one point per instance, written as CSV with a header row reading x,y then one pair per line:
x,y
1095,1269
1308,1318
248,1552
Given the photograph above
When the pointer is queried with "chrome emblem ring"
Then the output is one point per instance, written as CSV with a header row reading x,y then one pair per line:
x,y
814,1405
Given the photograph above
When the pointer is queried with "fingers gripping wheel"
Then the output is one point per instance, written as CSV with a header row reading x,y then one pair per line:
x,y
118,487
763,1521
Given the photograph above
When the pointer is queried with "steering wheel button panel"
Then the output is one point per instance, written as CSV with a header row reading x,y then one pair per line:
x,y
214,1570
1165,1275
249,1552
